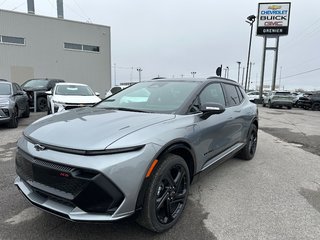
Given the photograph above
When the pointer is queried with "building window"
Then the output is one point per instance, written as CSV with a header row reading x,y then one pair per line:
x,y
73,46
12,40
91,48
81,47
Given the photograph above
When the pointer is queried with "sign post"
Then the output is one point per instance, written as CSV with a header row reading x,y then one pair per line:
x,y
273,22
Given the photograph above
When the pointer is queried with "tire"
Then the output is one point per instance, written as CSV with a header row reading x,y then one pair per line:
x,y
247,153
263,104
315,106
42,104
49,110
14,119
289,107
26,113
269,104
168,188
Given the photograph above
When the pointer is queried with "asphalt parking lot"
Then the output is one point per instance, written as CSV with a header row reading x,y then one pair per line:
x,y
274,196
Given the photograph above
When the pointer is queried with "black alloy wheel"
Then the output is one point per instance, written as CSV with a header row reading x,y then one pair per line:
x,y
166,195
14,119
249,150
42,104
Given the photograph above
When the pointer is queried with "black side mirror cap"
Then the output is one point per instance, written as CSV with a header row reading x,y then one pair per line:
x,y
209,109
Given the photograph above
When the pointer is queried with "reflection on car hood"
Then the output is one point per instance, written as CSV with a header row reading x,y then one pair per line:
x,y
90,128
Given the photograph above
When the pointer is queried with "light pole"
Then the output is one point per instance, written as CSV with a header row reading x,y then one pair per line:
x,y
193,73
239,63
139,70
249,79
250,20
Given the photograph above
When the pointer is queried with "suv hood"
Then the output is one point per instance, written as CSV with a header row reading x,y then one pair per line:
x,y
90,128
76,99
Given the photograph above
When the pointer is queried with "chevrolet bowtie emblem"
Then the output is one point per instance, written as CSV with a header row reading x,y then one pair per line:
x,y
39,147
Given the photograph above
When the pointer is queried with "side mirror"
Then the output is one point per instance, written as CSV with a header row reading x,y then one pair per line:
x,y
97,94
19,93
49,92
209,109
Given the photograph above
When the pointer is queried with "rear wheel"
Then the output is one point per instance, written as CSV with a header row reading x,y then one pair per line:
x,y
166,195
247,153
14,119
315,106
42,104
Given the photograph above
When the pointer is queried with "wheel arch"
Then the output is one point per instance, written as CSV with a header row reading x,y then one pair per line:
x,y
180,148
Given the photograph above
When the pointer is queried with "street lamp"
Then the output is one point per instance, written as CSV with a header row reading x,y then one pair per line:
x,y
139,70
250,20
193,73
239,63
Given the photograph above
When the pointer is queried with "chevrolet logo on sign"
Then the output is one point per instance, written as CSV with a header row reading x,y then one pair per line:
x,y
274,7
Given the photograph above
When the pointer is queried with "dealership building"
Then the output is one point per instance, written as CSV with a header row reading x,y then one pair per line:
x,y
33,46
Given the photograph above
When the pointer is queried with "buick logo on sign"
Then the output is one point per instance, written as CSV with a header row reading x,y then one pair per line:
x,y
39,147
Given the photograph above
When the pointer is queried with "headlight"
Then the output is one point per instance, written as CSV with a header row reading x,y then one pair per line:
x,y
4,103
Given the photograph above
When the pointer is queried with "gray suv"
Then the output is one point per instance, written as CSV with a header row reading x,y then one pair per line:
x,y
136,151
13,103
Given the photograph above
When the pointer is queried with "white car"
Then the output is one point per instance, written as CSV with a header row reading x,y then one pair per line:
x,y
115,89
65,96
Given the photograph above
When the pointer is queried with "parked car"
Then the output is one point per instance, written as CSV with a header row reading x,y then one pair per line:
x,y
254,96
115,89
39,86
278,99
296,97
310,101
66,96
13,103
117,158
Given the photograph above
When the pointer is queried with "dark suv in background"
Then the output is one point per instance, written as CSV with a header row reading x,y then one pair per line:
x,y
13,103
39,86
311,100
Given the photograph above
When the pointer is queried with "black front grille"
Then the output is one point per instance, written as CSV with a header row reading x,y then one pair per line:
x,y
49,174
87,189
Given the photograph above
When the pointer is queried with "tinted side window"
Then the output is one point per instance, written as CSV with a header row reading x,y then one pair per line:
x,y
212,93
232,95
241,97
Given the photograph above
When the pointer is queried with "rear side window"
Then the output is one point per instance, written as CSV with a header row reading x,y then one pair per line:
x,y
233,98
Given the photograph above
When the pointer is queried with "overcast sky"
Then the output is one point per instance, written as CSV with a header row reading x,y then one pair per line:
x,y
171,38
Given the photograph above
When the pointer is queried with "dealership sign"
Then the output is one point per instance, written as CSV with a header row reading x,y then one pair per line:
x,y
273,18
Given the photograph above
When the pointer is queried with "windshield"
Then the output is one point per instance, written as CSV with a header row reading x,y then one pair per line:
x,y
36,83
160,97
5,89
73,90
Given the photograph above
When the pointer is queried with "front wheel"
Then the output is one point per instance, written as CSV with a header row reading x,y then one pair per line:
x,y
13,123
166,194
247,153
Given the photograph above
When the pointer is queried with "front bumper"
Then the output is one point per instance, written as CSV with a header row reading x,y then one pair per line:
x,y
58,107
5,115
82,188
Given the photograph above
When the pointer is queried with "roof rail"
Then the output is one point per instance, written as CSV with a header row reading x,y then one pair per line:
x,y
222,78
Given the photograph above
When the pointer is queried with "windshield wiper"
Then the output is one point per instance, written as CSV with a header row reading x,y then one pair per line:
x,y
125,109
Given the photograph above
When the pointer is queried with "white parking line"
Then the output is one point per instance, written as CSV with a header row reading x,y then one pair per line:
x,y
26,215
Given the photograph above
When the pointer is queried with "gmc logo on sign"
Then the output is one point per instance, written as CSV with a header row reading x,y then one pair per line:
x,y
275,24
